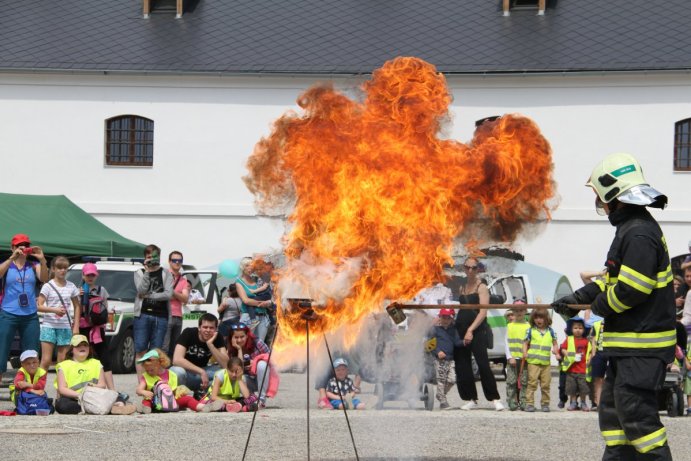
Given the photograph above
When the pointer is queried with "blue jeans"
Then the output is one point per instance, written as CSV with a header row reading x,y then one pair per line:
x,y
149,332
193,380
29,332
263,327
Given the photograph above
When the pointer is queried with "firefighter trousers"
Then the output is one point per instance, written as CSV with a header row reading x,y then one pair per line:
x,y
628,411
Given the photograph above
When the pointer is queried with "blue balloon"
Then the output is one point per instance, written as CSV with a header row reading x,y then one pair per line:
x,y
229,268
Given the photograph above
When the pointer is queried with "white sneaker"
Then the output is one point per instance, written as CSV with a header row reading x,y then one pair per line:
x,y
498,405
469,406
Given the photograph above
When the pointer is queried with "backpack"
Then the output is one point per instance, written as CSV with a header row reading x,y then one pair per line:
x,y
95,310
164,398
28,403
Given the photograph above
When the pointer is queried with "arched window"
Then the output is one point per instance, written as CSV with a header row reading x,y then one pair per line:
x,y
682,145
129,141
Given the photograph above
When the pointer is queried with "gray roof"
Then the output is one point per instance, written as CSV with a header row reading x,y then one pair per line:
x,y
344,36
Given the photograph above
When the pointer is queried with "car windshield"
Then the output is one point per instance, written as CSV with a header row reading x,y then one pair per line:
x,y
119,284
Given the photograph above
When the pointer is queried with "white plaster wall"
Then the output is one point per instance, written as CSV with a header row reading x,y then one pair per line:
x,y
193,198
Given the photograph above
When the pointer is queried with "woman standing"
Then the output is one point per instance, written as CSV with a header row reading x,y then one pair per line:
x,y
473,329
229,310
18,310
248,288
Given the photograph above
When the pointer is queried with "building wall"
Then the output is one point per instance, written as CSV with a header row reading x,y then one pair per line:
x,y
193,198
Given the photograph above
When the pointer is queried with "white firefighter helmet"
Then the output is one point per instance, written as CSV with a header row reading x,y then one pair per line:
x,y
620,176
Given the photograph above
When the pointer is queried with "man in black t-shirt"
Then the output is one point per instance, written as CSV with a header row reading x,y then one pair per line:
x,y
194,349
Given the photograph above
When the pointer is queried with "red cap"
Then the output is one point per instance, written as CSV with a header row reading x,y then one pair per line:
x,y
20,238
449,312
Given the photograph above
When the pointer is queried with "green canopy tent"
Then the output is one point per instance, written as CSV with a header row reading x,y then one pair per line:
x,y
59,226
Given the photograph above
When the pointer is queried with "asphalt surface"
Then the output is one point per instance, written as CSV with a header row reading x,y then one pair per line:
x,y
280,432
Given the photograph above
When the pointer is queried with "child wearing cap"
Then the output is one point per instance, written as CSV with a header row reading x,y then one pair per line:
x,y
445,338
30,377
342,385
516,371
59,302
576,351
156,364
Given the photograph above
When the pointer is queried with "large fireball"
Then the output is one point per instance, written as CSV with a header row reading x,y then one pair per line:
x,y
375,199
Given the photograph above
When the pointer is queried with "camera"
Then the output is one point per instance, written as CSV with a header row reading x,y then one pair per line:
x,y
27,250
153,262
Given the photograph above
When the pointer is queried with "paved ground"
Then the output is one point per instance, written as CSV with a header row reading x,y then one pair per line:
x,y
280,433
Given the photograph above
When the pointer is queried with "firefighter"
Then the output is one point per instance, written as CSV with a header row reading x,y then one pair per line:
x,y
636,300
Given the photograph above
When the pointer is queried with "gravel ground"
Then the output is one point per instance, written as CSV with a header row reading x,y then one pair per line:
x,y
396,432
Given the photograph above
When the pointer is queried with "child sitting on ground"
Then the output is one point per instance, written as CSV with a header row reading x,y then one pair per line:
x,y
539,341
516,371
575,352
446,338
229,388
30,379
156,363
341,382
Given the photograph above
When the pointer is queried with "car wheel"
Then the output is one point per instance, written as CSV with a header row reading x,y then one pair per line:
x,y
123,356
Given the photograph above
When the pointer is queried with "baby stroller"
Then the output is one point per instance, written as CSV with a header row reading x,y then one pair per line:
x,y
671,396
390,383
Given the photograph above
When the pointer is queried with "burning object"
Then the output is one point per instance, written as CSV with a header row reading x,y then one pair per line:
x,y
376,200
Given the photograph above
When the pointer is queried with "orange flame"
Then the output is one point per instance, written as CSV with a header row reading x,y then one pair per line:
x,y
378,198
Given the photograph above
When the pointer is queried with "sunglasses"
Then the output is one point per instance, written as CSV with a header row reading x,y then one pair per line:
x,y
239,326
176,260
470,268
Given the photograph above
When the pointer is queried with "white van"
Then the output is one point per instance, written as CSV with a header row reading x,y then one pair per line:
x,y
117,276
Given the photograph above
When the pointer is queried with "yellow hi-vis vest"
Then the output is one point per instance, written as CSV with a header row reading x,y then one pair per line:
x,y
540,347
79,374
570,357
152,380
228,390
40,372
515,336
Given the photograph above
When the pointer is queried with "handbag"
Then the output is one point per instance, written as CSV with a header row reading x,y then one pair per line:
x,y
97,401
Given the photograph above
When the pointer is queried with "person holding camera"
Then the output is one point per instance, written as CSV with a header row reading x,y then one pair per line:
x,y
19,277
152,305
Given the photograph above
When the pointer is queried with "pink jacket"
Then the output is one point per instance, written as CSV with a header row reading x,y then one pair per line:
x,y
274,379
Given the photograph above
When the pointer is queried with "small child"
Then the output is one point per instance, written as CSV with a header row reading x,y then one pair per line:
x,y
516,372
30,378
575,352
346,386
540,339
229,388
446,338
156,363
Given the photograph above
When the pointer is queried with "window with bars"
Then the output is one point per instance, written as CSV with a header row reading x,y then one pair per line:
x,y
129,141
682,145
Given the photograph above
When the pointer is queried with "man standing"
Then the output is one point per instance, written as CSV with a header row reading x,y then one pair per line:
x,y
636,300
151,307
193,350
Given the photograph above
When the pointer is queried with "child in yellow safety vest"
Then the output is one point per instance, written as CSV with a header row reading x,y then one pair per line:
x,y
155,364
516,371
229,388
540,340
575,351
30,377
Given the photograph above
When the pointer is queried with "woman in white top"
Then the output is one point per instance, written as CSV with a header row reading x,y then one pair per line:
x,y
59,302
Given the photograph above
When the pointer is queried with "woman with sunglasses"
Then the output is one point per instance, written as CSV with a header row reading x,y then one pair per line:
x,y
473,329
